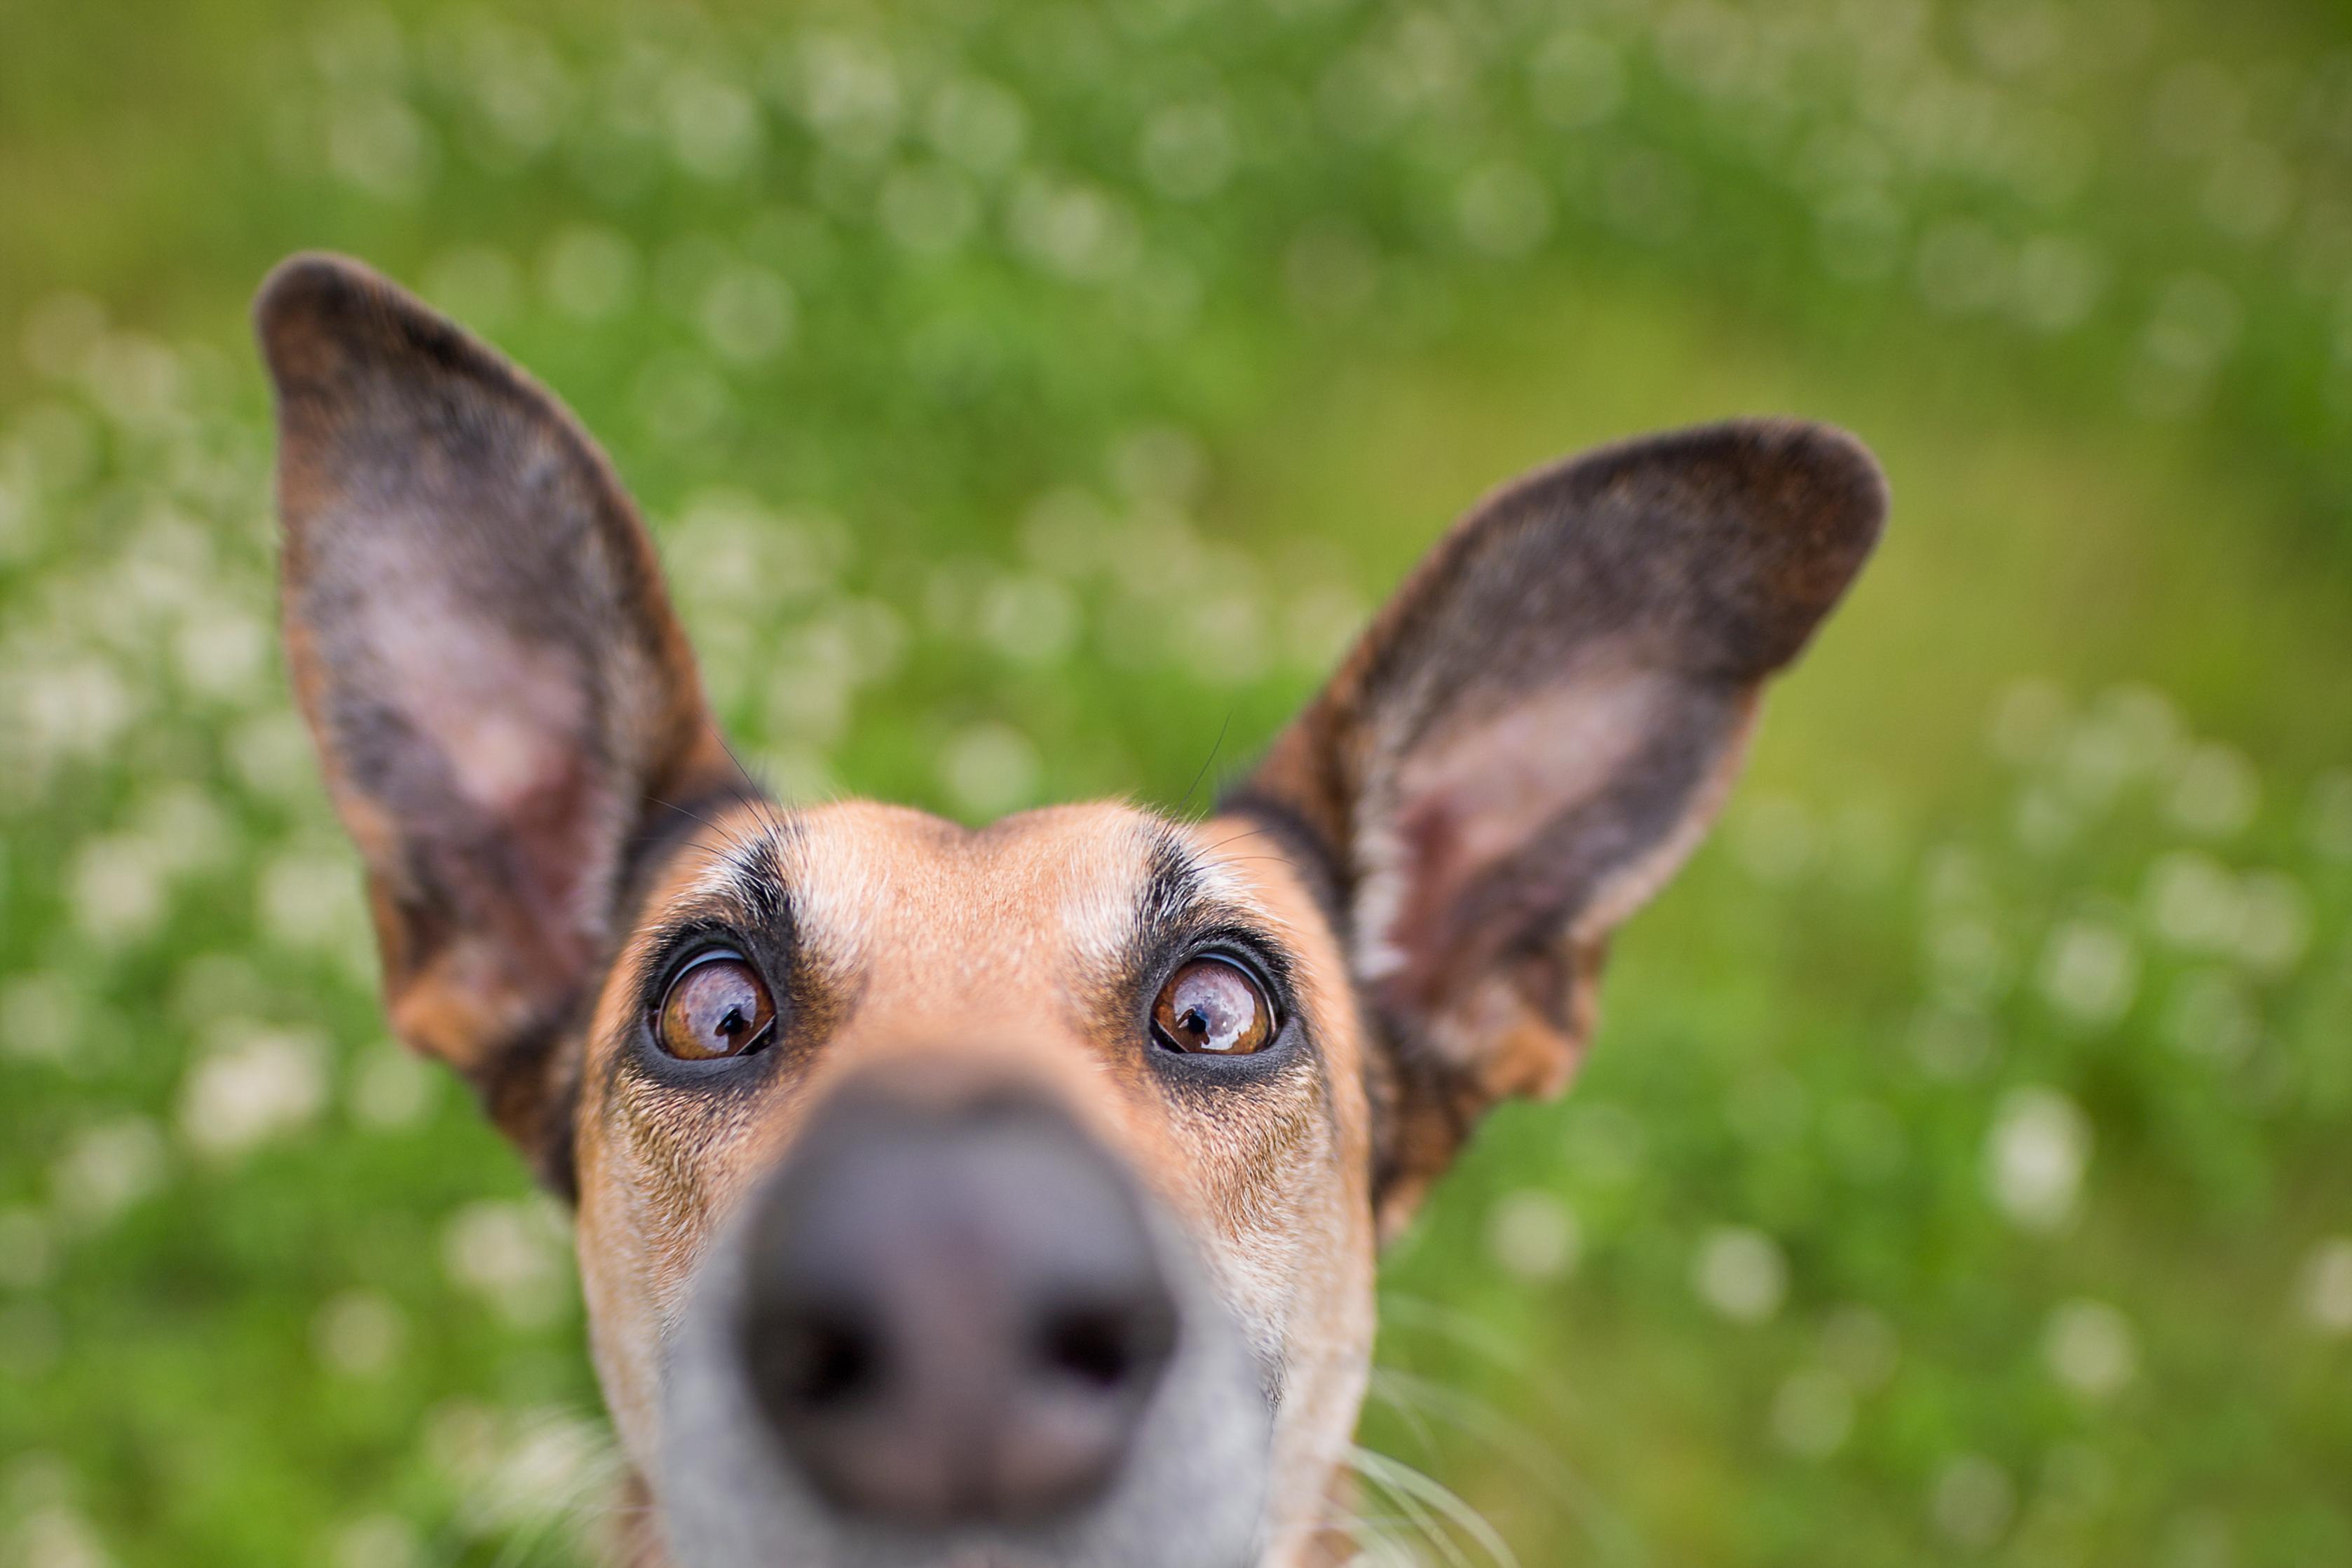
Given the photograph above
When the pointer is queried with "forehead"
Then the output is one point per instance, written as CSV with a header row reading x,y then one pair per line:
x,y
1037,900
862,876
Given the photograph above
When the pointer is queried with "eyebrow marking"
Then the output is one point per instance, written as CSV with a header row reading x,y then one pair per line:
x,y
1185,893
1182,886
1172,892
748,869
741,888
741,883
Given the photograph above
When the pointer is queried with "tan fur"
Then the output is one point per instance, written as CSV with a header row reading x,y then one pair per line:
x,y
944,926
1525,744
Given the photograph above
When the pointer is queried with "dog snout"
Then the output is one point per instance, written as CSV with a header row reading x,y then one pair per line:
x,y
954,1315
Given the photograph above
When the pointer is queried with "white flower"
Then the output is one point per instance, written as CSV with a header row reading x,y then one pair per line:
x,y
849,92
990,769
1861,1347
1533,1235
378,1541
1505,211
311,901
378,143
2274,922
41,1018
978,124
510,1254
747,314
1775,838
1031,619
1741,1273
391,1090
118,887
2192,900
2326,1287
1973,1501
109,1167
57,1537
714,126
2035,1157
2090,1348
2089,972
359,1334
546,1463
589,273
1813,1413
272,755
254,1086
2218,792
1188,149
1076,231
2058,280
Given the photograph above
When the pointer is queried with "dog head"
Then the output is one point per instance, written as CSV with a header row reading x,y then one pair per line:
x,y
1003,1197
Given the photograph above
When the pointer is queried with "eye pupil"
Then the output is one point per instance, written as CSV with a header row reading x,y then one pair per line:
x,y
1212,1007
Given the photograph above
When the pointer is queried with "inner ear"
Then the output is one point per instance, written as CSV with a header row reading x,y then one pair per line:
x,y
1554,815
1539,725
480,641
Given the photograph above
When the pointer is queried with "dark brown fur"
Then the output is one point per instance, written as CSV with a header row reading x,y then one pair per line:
x,y
1523,746
494,926
1709,556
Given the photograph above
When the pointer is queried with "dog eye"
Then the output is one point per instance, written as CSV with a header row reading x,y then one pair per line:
x,y
1212,1008
718,1007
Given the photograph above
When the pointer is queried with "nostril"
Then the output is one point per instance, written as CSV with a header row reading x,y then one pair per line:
x,y
1090,1346
1106,1347
815,1360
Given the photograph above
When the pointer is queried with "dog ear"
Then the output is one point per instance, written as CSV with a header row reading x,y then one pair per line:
x,y
504,703
1535,732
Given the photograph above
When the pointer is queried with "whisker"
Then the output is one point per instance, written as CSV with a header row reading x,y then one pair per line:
x,y
525,1530
1458,1328
1377,1537
1383,1387
1255,831
1576,1498
736,838
1375,1469
1410,1488
1184,806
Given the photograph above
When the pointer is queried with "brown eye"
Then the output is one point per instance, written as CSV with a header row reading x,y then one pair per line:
x,y
718,1007
1211,1008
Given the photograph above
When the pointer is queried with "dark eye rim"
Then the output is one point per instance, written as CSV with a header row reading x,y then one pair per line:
x,y
693,957
1284,1042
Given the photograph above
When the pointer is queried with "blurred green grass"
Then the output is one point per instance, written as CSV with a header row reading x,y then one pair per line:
x,y
1027,396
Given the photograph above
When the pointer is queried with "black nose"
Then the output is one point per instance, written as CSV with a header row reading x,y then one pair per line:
x,y
954,1316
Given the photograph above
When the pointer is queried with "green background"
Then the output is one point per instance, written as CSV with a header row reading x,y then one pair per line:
x,y
1027,394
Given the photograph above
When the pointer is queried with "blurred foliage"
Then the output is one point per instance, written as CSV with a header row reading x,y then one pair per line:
x,y
1029,398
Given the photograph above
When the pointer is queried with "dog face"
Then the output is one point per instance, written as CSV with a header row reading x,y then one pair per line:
x,y
1003,1197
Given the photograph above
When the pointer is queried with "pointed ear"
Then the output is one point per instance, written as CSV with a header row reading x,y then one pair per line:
x,y
1536,731
505,706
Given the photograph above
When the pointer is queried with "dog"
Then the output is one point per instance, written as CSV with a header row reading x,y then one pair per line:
x,y
1003,1197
